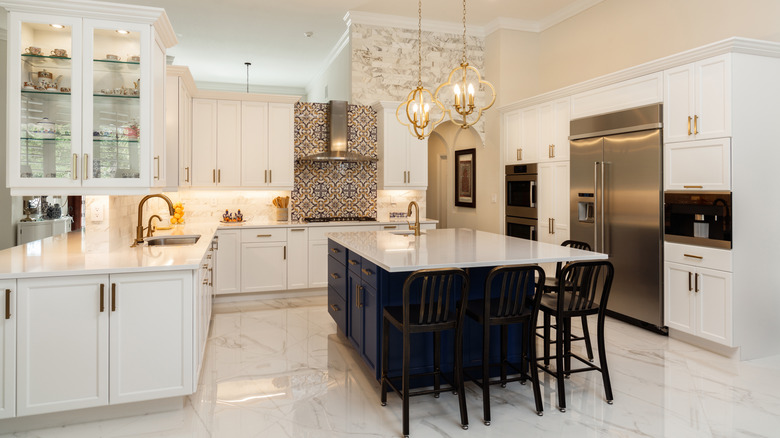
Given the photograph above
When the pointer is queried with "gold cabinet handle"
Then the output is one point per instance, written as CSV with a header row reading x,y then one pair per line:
x,y
366,271
297,229
113,297
102,297
693,187
74,166
284,257
690,288
214,175
693,256
211,276
519,154
353,262
187,174
85,170
695,124
689,125
334,307
553,150
335,276
8,303
390,227
335,250
157,159
205,266
270,176
552,225
219,176
266,176
358,304
205,281
696,283
263,235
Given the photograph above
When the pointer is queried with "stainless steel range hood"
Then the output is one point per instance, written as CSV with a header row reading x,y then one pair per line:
x,y
337,144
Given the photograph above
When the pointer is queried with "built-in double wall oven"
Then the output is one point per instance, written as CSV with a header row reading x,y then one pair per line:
x,y
521,211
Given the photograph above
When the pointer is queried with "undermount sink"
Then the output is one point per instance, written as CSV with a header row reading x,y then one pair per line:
x,y
181,239
405,232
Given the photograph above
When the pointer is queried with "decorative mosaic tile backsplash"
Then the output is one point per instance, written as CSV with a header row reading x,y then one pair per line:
x,y
334,189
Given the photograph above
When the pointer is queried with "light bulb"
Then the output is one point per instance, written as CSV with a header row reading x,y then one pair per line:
x,y
471,95
122,32
58,26
457,96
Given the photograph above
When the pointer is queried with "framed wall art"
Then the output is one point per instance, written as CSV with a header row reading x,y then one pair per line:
x,y
465,178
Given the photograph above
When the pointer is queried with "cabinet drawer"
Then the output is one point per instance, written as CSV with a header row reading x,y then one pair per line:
x,y
354,261
712,258
337,307
368,273
337,276
337,251
252,235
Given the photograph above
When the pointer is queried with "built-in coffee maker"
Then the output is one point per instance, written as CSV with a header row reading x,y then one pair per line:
x,y
701,218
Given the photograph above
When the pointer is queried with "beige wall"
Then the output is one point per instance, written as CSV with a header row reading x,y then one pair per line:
x,y
337,77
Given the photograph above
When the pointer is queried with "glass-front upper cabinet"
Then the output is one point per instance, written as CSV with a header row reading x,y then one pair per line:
x,y
45,98
83,93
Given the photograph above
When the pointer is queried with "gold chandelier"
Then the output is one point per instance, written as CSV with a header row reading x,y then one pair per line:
x,y
462,79
417,106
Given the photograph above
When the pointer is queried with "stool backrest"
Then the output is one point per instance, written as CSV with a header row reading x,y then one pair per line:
x,y
576,244
520,290
584,283
437,292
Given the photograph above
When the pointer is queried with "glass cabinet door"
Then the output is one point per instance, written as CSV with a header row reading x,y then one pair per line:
x,y
48,98
115,121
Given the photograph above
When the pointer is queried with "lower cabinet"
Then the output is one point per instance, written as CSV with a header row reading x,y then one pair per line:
x,y
204,287
297,258
698,297
228,270
318,263
8,349
263,266
553,202
94,340
362,305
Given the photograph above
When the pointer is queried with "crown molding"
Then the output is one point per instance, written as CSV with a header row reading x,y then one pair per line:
x,y
512,24
730,45
564,14
382,20
219,90
341,44
184,73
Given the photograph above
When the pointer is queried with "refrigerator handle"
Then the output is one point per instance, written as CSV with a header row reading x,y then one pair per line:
x,y
603,213
595,206
532,195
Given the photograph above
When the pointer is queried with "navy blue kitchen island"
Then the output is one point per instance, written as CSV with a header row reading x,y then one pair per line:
x,y
366,272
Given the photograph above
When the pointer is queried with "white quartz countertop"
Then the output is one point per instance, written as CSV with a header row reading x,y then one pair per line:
x,y
454,247
264,223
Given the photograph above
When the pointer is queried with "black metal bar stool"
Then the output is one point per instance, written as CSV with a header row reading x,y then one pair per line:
x,y
584,290
551,285
430,308
512,305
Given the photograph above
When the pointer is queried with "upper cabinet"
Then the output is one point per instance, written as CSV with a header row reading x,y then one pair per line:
x,y
246,143
403,159
539,133
697,99
86,98
178,125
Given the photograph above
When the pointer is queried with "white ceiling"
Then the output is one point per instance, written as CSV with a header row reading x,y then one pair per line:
x,y
217,37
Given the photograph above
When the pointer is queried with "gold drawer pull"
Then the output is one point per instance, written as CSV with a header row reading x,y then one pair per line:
x,y
335,276
390,227
8,302
334,307
74,166
334,250
263,235
298,229
693,187
353,262
366,271
693,256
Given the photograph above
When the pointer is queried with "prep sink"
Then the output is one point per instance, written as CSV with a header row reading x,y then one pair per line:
x,y
181,239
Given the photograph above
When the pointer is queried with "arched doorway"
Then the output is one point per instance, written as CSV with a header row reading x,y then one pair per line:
x,y
443,142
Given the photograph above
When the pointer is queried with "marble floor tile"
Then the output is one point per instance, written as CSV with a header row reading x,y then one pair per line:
x,y
279,368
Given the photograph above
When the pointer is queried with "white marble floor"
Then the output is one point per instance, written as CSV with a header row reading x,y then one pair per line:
x,y
278,368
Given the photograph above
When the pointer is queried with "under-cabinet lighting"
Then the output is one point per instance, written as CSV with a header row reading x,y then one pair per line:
x,y
58,26
123,32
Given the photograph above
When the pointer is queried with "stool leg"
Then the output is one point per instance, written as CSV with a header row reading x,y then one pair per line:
x,y
464,416
405,384
486,372
546,339
385,357
436,362
603,358
531,342
559,367
586,335
504,354
566,323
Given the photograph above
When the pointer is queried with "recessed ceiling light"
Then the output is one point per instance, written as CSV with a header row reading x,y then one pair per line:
x,y
57,26
123,32
308,34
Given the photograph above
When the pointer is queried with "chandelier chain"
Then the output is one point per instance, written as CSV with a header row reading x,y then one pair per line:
x,y
464,31
419,43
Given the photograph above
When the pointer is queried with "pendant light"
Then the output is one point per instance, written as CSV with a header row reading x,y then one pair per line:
x,y
462,79
416,108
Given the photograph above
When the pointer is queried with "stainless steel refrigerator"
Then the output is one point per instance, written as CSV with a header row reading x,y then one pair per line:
x,y
617,205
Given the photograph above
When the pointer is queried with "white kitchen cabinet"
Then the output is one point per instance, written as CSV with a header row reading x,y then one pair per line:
x,y
105,130
553,201
202,305
267,144
554,118
228,145
62,343
697,297
698,165
521,135
8,349
697,100
318,263
228,267
263,266
178,124
539,133
204,142
151,331
297,258
403,159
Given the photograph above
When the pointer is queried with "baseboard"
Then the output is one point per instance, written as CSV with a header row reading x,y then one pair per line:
x,y
58,419
253,296
730,352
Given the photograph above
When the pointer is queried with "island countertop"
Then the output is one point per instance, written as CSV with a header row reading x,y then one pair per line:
x,y
453,247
